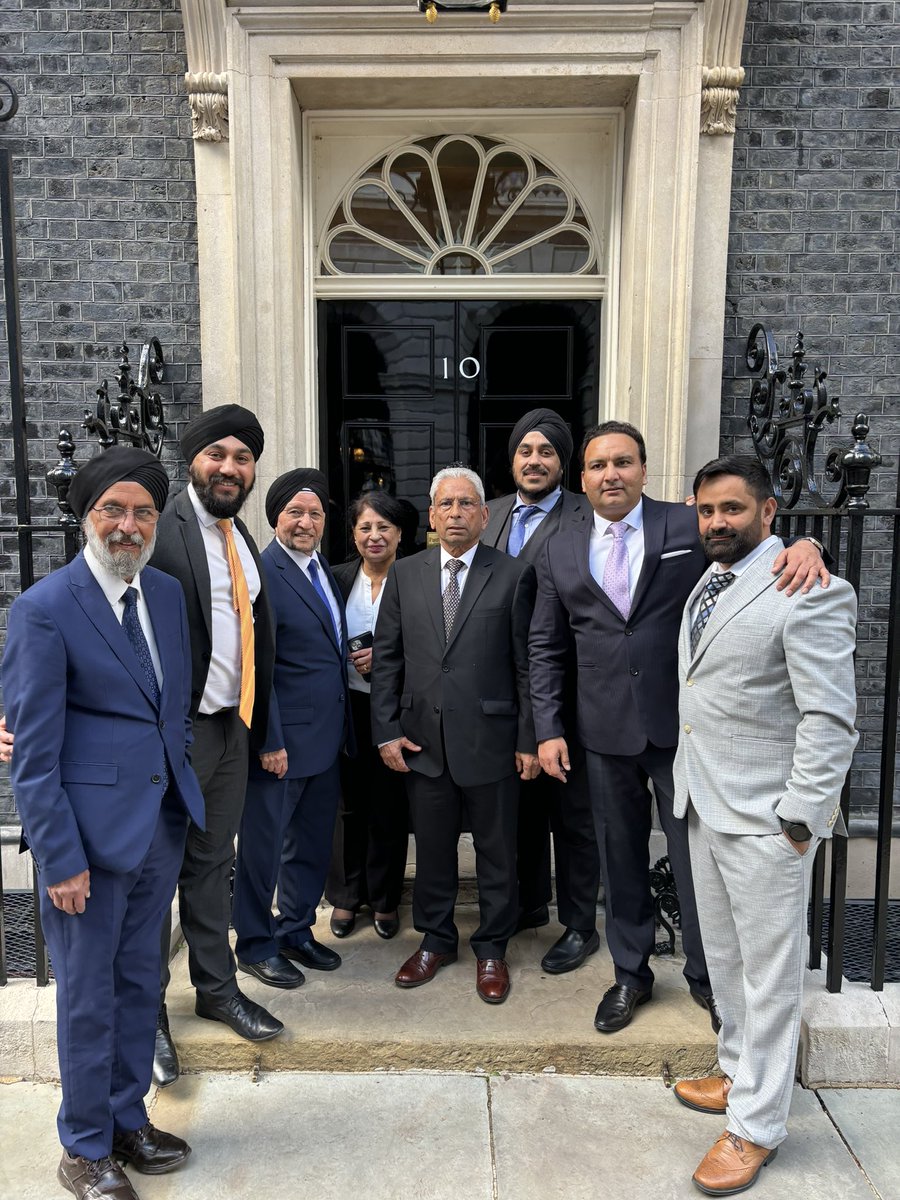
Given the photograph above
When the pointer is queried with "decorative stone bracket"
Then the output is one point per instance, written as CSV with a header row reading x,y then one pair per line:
x,y
208,98
723,74
718,100
206,80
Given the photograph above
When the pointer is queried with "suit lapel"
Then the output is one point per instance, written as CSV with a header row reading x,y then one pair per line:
x,y
581,544
479,574
745,589
499,525
430,562
167,647
195,554
296,580
654,521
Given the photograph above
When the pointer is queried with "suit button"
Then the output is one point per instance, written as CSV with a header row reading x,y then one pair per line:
x,y
435,709
635,671
156,778
687,729
162,725
445,668
341,698
689,683
629,632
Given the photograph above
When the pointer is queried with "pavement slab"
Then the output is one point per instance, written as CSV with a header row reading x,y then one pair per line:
x,y
869,1121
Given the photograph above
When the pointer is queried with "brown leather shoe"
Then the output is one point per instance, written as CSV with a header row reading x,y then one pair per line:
x,y
492,980
731,1166
422,967
94,1178
709,1095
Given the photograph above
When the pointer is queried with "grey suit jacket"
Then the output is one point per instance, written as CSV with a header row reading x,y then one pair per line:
x,y
767,705
478,679
571,510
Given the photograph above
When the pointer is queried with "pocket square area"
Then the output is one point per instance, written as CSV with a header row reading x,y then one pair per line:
x,y
673,554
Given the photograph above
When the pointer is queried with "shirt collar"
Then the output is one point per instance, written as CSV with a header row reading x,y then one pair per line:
x,y
302,560
738,568
634,519
544,505
113,586
466,558
203,515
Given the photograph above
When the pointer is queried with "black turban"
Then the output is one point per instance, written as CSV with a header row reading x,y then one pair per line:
x,y
286,487
228,420
551,425
118,464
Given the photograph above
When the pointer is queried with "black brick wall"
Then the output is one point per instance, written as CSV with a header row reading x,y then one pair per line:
x,y
106,225
814,246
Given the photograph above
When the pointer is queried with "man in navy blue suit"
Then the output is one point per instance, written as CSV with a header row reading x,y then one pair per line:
x,y
294,786
96,678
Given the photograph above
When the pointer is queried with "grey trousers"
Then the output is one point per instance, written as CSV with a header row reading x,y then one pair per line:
x,y
752,891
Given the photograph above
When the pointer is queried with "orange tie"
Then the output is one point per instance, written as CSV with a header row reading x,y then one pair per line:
x,y
242,606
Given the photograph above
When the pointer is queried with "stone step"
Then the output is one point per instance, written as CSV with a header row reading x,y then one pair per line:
x,y
356,1019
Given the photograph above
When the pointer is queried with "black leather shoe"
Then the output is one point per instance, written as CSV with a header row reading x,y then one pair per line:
x,y
94,1178
165,1057
342,927
708,1001
535,918
247,1018
150,1150
570,951
387,927
617,1007
276,971
314,955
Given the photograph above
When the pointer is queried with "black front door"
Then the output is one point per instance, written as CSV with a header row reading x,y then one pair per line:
x,y
410,386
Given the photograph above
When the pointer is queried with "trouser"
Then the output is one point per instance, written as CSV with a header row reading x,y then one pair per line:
x,y
752,893
219,758
106,963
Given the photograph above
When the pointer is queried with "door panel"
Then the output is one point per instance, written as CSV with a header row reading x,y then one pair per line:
x,y
408,387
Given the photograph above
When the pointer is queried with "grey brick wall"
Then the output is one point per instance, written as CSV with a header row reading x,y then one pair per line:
x,y
814,245
106,224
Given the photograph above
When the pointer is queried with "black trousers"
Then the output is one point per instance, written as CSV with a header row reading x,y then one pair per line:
x,y
219,756
439,808
622,807
371,835
565,808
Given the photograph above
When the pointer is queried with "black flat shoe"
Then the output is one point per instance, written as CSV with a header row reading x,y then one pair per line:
x,y
247,1018
165,1057
572,949
708,1001
617,1007
535,918
314,955
387,927
342,927
276,971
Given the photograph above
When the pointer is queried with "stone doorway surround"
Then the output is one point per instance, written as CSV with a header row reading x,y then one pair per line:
x,y
670,67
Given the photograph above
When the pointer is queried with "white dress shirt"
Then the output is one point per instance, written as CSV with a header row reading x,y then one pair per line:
x,y
223,680
461,576
362,613
114,588
602,542
303,561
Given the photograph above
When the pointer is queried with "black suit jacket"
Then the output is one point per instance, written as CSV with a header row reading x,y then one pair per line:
x,y
180,552
627,670
570,509
466,702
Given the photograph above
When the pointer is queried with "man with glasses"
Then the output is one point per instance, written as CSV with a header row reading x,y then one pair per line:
x,y
97,685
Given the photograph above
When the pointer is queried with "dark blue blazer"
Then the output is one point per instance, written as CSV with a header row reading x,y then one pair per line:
x,y
90,741
627,670
309,709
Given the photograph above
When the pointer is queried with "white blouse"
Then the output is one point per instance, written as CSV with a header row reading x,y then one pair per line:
x,y
362,613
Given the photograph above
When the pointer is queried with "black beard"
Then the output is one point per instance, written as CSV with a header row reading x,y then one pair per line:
x,y
215,506
738,547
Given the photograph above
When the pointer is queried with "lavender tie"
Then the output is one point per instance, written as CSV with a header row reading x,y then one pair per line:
x,y
615,573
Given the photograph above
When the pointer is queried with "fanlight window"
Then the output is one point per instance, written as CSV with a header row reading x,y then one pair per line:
x,y
459,205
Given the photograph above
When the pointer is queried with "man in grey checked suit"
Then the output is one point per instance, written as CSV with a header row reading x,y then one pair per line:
x,y
767,709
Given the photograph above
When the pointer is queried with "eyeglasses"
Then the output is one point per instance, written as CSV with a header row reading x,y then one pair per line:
x,y
466,505
115,512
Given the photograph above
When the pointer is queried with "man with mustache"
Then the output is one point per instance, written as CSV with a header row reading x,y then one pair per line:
x,y
617,586
97,685
540,447
205,545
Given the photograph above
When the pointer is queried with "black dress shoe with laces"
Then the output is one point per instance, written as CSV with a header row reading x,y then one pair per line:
x,y
276,971
247,1018
314,955
94,1178
570,951
617,1007
165,1057
150,1150
708,1001
387,927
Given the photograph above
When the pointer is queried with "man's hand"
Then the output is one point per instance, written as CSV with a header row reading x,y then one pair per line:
x,y
6,742
527,766
392,753
554,758
71,895
800,564
275,761
800,847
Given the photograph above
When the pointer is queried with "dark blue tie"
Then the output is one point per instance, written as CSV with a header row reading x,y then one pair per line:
x,y
132,626
313,569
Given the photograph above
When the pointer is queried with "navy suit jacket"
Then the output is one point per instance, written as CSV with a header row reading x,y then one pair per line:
x,y
90,742
627,670
309,710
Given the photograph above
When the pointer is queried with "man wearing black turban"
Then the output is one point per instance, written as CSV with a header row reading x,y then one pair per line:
x,y
97,691
209,550
540,447
294,786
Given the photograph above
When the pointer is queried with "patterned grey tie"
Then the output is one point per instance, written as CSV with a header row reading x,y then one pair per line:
x,y
714,585
451,594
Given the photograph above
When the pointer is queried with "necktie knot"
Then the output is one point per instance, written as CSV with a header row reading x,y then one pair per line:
x,y
130,597
455,565
618,529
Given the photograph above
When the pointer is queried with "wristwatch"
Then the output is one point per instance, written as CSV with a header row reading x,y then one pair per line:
x,y
796,830
806,537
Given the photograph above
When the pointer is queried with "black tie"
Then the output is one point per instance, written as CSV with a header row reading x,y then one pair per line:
x,y
714,585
